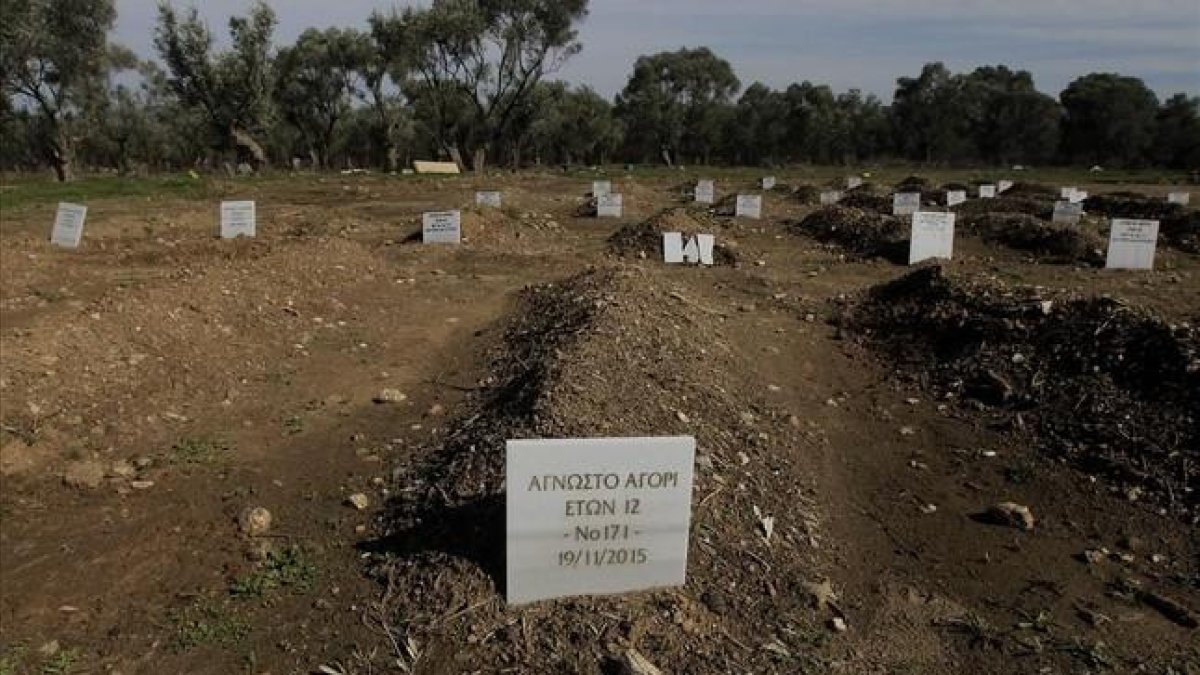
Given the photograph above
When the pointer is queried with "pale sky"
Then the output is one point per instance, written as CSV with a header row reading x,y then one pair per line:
x,y
845,43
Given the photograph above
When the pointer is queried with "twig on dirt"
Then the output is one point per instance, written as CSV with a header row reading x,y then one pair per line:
x,y
734,640
449,385
710,496
466,610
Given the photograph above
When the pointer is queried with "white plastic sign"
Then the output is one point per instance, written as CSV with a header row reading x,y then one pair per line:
x,y
1131,244
441,227
987,191
1181,198
853,182
1067,213
955,197
906,203
830,197
490,198
706,192
697,249
768,183
68,225
609,205
1066,193
748,206
597,516
672,248
238,219
601,187
932,236
1078,196
1004,186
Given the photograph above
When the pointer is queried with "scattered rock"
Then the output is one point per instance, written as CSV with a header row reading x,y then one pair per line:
x,y
437,410
390,396
820,593
84,474
838,624
358,500
631,662
141,484
1011,514
122,469
254,521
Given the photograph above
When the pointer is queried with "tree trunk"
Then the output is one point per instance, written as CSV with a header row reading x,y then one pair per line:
x,y
479,159
245,141
60,155
456,157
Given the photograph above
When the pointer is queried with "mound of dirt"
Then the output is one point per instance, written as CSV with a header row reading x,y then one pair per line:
x,y
912,184
644,239
864,233
1031,190
1182,231
1132,205
1049,241
867,200
955,186
605,353
1008,203
807,194
1109,388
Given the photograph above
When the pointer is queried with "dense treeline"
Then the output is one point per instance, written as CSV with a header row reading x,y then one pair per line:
x,y
468,80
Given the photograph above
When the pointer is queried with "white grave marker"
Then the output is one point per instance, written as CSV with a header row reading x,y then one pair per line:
x,y
906,203
1004,186
706,192
1181,198
1065,193
987,191
490,198
691,251
932,236
1067,213
672,248
597,516
601,187
1131,244
830,197
853,182
707,243
1078,196
68,225
748,206
768,183
609,205
441,227
955,197
238,219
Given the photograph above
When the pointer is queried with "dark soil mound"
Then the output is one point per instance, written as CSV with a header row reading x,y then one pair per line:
x,y
1007,204
868,200
865,234
955,186
1033,190
807,194
912,184
644,239
1049,241
1132,205
1182,231
1109,388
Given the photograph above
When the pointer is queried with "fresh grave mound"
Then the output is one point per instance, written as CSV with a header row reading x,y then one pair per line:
x,y
867,200
644,239
487,228
1032,190
1053,242
606,353
1110,388
1182,231
866,234
807,194
1132,205
912,184
1008,203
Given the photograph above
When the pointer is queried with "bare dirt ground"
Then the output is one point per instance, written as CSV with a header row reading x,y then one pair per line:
x,y
158,383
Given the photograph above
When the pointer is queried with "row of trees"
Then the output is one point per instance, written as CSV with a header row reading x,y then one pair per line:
x,y
468,80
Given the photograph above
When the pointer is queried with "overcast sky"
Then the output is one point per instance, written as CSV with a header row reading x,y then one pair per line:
x,y
863,44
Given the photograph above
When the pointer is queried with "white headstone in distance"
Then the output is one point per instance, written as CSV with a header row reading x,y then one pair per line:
x,y
601,187
706,243
706,192
1067,213
491,198
830,197
441,227
932,236
1181,198
609,205
748,206
1065,193
853,182
238,219
672,248
768,183
955,197
906,203
596,516
691,251
987,191
1004,186
1131,244
1078,196
68,225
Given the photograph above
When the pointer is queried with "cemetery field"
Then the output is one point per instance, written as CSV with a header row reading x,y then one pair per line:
x,y
982,464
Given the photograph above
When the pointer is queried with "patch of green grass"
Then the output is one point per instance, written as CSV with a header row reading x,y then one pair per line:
x,y
198,451
294,424
24,192
207,622
10,660
290,568
50,295
61,663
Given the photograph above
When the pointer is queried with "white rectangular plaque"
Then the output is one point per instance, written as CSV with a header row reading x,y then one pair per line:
x,y
906,203
597,516
490,198
706,192
987,191
1181,198
768,183
932,236
1067,213
1004,186
748,206
706,243
1065,193
68,225
1078,196
955,197
601,187
830,197
441,227
853,182
238,219
609,205
672,248
1131,244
